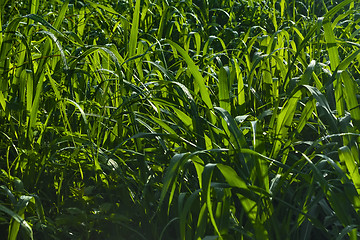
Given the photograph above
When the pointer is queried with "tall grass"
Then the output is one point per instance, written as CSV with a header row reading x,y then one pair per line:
x,y
179,119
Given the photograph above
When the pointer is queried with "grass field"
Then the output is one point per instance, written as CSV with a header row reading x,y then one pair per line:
x,y
164,119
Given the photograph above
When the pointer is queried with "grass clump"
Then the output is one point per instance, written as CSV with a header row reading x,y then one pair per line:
x,y
179,120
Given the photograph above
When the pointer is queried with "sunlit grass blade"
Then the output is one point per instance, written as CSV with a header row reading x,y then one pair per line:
x,y
324,110
240,87
349,92
233,128
346,157
284,121
305,79
206,177
2,101
260,173
184,213
19,220
179,120
199,80
41,20
2,5
134,30
61,15
337,8
224,93
334,63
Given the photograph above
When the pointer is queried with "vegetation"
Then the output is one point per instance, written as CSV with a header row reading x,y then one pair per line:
x,y
193,119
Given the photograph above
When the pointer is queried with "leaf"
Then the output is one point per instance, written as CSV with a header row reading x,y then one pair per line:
x,y
61,14
195,72
171,175
224,93
185,210
249,205
233,128
305,79
234,180
13,231
134,29
346,157
39,19
350,91
284,121
206,177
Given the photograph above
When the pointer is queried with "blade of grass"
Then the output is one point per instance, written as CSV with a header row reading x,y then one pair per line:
x,y
61,15
171,175
134,29
13,232
346,157
249,205
184,212
224,93
206,177
195,72
284,121
350,91
334,63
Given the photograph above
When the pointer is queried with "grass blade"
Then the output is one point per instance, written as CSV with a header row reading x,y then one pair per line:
x,y
284,121
350,91
134,30
334,63
249,205
206,177
346,157
18,219
195,72
61,15
224,93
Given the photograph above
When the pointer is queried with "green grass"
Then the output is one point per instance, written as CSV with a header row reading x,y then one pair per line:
x,y
194,119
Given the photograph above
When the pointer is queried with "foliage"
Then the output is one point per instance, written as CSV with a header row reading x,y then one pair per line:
x,y
155,119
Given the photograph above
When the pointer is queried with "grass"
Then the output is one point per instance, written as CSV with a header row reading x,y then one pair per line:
x,y
179,119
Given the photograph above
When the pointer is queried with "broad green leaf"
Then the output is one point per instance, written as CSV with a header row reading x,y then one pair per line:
x,y
351,230
331,45
241,87
56,41
334,63
202,222
35,102
325,112
163,20
106,8
81,24
224,93
41,20
351,89
337,8
2,101
307,112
